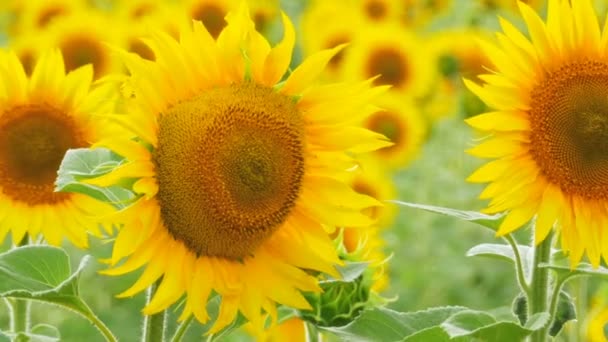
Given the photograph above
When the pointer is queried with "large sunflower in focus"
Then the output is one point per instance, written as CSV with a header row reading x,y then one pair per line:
x,y
548,132
240,175
40,119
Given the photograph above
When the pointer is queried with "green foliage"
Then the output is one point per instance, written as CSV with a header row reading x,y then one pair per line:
x,y
39,333
582,269
43,273
382,324
436,325
341,299
564,313
82,164
40,273
489,221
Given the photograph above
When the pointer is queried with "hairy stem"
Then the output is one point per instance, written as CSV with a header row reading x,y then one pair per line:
x,y
538,299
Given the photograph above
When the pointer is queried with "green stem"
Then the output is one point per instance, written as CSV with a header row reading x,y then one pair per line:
x,y
181,330
87,313
19,309
539,286
19,312
519,269
154,325
582,306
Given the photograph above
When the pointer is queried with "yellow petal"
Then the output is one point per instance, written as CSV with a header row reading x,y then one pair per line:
x,y
548,212
308,71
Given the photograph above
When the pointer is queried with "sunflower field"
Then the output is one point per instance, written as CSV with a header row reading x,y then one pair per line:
x,y
304,170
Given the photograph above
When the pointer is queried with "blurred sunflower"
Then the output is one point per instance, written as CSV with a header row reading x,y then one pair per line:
x,y
374,180
332,33
597,318
83,39
263,13
40,119
144,16
239,176
401,122
456,55
378,11
37,15
421,12
549,130
211,13
392,53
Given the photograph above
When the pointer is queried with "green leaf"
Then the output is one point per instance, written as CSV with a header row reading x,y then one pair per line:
x,y
505,252
4,337
434,334
351,271
581,269
46,332
499,251
382,324
41,273
83,163
489,221
483,326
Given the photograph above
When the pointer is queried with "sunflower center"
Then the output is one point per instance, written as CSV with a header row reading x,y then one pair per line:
x,y
229,165
49,14
81,50
569,121
212,18
389,65
375,9
33,141
389,125
336,60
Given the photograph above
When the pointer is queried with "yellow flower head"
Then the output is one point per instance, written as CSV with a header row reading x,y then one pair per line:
x,y
40,119
401,122
548,131
393,54
82,38
341,23
37,15
240,173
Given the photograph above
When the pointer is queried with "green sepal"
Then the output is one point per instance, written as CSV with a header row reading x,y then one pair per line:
x,y
565,311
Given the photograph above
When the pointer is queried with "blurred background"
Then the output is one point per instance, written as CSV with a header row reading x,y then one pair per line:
x,y
422,48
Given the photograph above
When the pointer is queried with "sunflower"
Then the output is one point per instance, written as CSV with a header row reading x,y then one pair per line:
x,y
239,174
373,179
401,122
377,11
37,15
83,38
40,119
455,54
393,54
141,17
421,12
211,13
340,26
548,130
